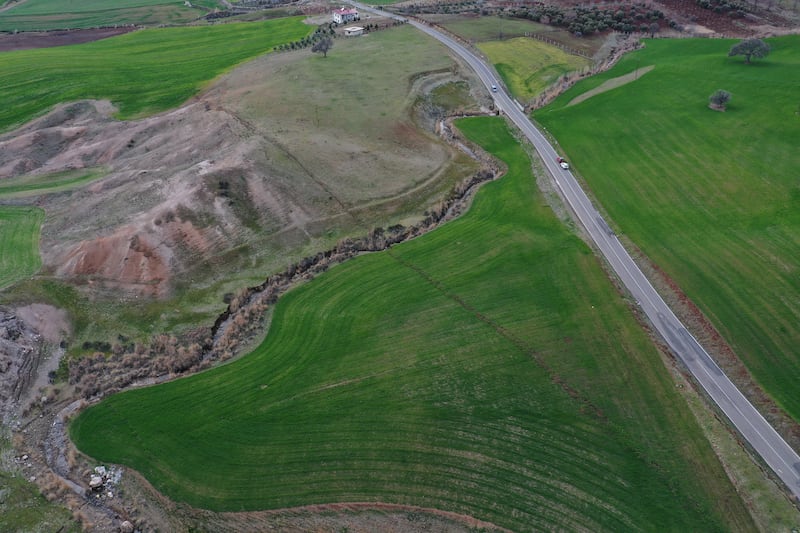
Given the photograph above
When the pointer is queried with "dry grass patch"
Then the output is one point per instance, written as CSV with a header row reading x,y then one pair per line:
x,y
528,66
613,83
344,121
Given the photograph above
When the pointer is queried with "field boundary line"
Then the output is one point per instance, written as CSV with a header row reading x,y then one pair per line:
x,y
520,344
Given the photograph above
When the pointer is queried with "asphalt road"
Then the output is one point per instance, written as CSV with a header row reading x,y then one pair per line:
x,y
760,435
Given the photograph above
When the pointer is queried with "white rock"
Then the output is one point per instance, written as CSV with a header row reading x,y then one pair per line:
x,y
32,479
25,457
100,470
95,482
126,527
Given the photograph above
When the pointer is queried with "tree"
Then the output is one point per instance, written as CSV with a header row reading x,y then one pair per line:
x,y
718,99
653,29
750,48
323,45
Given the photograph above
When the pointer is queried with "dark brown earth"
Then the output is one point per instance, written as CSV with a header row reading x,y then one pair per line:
x,y
758,21
47,39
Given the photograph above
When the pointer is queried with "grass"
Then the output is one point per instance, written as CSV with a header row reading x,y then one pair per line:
x,y
612,84
383,180
453,95
712,198
528,66
487,368
141,72
19,243
35,185
22,507
31,15
771,508
335,145
486,29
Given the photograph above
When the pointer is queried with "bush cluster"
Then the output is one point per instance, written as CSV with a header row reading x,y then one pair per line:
x,y
323,30
122,364
579,20
734,8
125,363
588,20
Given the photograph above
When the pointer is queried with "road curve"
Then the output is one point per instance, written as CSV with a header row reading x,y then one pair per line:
x,y
759,434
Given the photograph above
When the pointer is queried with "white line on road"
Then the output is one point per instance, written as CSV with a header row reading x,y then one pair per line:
x,y
761,436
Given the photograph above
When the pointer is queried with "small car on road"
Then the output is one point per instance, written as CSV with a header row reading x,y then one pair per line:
x,y
494,88
563,163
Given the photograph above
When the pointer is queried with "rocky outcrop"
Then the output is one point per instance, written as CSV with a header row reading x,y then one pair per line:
x,y
20,351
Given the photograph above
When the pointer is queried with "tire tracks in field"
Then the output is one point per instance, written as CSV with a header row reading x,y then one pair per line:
x,y
521,345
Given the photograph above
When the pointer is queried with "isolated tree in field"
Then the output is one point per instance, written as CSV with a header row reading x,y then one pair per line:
x,y
323,45
653,29
750,48
718,99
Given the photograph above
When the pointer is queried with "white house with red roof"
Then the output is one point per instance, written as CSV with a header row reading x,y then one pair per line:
x,y
345,14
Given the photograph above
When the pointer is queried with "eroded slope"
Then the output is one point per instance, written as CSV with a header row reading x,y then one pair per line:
x,y
284,151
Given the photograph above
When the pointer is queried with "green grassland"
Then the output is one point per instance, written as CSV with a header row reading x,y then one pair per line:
x,y
20,227
483,29
30,15
140,72
23,508
487,368
713,198
34,185
376,92
19,243
528,66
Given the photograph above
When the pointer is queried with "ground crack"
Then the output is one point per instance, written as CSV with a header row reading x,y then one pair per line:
x,y
535,355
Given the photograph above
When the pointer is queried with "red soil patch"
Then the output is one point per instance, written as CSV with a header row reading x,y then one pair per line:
x,y
125,257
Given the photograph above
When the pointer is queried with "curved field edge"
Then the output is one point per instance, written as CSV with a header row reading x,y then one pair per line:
x,y
35,185
488,368
20,228
140,72
710,197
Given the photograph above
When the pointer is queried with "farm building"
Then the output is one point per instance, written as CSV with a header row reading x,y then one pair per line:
x,y
345,14
354,31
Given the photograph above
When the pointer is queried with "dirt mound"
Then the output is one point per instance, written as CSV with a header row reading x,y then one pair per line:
x,y
123,231
125,257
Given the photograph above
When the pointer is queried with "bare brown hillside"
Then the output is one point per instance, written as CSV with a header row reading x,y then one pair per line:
x,y
233,171
160,203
